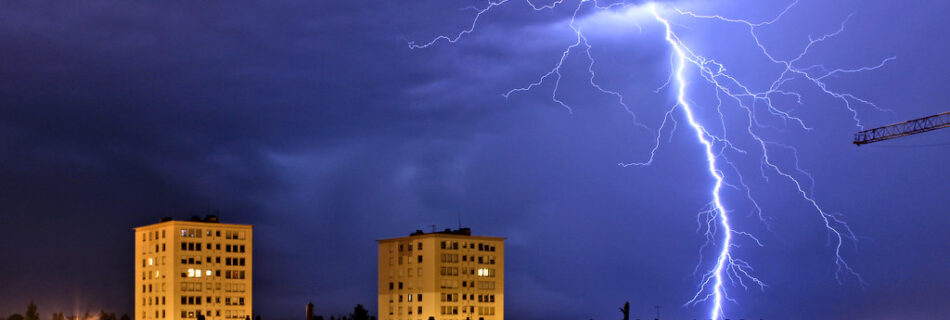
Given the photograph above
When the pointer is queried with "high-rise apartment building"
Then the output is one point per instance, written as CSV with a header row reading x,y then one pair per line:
x,y
198,267
448,275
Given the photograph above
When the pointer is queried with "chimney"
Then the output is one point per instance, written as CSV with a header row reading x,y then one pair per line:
x,y
310,310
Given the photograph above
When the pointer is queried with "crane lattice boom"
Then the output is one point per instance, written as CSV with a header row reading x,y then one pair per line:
x,y
905,128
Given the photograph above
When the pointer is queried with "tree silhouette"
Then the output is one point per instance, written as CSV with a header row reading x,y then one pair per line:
x,y
359,313
16,316
31,313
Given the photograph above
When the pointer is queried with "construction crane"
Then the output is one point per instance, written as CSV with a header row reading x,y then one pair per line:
x,y
905,128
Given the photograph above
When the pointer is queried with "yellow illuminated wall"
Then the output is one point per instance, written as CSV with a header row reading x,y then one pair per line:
x,y
446,276
186,267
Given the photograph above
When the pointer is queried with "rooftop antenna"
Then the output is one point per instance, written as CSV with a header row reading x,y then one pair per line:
x,y
460,220
433,228
658,312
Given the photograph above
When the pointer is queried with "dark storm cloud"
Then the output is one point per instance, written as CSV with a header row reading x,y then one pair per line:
x,y
314,122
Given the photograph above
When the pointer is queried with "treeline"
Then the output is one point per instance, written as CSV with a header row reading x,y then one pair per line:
x,y
359,313
32,314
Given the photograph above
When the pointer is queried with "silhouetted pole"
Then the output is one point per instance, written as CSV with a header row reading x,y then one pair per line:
x,y
626,310
658,312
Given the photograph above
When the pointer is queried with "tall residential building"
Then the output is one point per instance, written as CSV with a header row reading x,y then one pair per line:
x,y
187,268
448,275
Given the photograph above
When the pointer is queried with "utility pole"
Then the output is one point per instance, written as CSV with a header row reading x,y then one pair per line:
x,y
626,310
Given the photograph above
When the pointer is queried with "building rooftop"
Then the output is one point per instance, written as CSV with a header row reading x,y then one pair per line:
x,y
460,232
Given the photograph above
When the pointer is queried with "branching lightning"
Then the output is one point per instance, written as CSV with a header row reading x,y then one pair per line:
x,y
714,220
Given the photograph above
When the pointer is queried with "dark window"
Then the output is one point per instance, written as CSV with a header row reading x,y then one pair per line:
x,y
420,248
400,286
419,298
390,286
184,246
420,259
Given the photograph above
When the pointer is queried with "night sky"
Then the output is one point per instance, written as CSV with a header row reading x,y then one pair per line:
x,y
313,121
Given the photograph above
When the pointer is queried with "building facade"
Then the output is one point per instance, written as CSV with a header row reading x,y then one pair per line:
x,y
448,275
188,268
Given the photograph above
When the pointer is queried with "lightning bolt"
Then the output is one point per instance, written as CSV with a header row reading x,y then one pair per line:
x,y
714,220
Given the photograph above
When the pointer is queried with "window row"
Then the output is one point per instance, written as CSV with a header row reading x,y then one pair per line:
x,y
158,301
148,262
149,275
486,272
234,261
227,261
449,271
418,310
486,285
408,272
486,311
449,284
408,259
196,300
228,314
193,286
196,246
454,258
408,298
153,235
157,315
228,274
454,245
408,246
196,233
158,248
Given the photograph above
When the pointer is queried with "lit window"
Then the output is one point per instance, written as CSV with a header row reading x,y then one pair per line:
x,y
208,273
151,261
191,273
